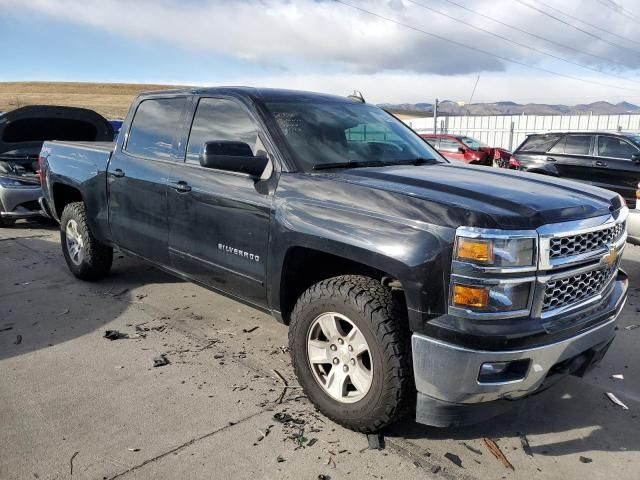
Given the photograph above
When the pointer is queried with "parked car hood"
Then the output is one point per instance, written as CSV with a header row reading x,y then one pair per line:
x,y
459,194
23,130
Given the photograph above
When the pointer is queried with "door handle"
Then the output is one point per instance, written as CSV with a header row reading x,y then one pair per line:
x,y
118,173
551,159
181,186
600,163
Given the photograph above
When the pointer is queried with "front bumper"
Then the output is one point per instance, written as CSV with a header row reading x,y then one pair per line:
x,y
633,227
446,375
20,202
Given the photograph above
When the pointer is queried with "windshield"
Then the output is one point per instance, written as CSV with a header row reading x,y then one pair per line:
x,y
472,143
336,133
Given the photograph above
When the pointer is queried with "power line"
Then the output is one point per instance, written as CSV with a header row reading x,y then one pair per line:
x,y
557,10
485,52
522,45
619,9
518,29
586,32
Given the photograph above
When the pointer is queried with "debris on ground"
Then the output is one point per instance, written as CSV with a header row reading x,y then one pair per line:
x,y
18,340
71,463
618,376
64,312
616,400
218,356
140,296
631,327
524,441
494,449
585,459
376,441
249,330
263,433
280,459
312,442
114,335
471,449
6,329
331,462
161,361
133,449
453,458
286,385
435,469
117,293
322,476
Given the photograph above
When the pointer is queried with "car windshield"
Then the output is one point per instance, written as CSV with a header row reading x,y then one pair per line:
x,y
472,143
326,134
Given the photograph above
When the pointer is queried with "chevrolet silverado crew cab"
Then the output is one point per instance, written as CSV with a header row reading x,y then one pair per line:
x,y
409,283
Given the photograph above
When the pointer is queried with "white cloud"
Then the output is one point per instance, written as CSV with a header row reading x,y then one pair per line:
x,y
342,48
331,33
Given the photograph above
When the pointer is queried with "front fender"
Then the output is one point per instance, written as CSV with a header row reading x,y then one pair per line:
x,y
415,253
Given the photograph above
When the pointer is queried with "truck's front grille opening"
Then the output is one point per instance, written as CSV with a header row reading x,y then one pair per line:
x,y
576,288
585,242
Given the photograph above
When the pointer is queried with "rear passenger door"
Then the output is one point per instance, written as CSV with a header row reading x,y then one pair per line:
x,y
138,176
219,220
613,168
571,157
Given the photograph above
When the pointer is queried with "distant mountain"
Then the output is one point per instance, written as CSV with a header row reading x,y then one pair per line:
x,y
447,107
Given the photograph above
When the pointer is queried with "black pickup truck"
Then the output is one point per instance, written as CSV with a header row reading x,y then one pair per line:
x,y
409,283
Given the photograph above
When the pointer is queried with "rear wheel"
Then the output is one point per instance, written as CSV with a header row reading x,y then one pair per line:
x,y
350,351
87,258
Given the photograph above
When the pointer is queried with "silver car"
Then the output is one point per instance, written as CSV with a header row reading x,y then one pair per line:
x,y
22,132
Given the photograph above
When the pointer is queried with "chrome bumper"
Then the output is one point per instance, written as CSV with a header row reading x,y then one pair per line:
x,y
449,373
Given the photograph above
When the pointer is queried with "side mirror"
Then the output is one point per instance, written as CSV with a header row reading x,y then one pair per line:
x,y
635,158
232,157
462,150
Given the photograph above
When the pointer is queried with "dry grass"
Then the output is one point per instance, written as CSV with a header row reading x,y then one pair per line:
x,y
109,99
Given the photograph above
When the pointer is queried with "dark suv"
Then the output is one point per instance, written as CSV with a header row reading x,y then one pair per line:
x,y
607,160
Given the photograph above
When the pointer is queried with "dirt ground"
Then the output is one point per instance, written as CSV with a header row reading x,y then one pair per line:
x,y
111,100
77,405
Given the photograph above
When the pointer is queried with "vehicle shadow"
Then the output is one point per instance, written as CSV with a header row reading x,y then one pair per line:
x,y
42,304
572,405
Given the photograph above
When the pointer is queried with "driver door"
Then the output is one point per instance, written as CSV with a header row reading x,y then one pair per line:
x,y
219,220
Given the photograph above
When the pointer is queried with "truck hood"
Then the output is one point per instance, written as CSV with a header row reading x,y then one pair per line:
x,y
456,194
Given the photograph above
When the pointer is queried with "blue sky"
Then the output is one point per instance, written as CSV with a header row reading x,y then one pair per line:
x,y
327,46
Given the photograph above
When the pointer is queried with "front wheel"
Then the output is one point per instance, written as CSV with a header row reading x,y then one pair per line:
x,y
350,350
86,257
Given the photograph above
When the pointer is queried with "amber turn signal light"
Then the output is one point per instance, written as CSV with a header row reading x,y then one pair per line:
x,y
474,250
470,296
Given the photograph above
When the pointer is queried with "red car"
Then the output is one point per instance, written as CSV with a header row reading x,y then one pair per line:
x,y
467,149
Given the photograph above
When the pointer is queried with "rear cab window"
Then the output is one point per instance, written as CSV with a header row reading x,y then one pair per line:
x,y
154,128
449,145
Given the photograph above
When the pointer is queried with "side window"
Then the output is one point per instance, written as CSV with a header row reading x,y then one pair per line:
x,y
153,128
221,119
558,147
448,145
432,141
615,147
577,145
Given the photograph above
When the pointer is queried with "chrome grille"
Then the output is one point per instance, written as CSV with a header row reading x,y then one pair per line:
x,y
585,242
569,290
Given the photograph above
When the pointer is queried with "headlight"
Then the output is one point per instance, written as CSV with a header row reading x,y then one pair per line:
x,y
12,182
501,252
504,297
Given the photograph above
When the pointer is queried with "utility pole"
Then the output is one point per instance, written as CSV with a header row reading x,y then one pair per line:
x,y
435,117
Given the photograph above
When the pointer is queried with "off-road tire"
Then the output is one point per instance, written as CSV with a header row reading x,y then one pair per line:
x,y
98,258
382,320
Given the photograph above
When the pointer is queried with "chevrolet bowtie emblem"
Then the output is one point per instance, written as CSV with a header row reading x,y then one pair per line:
x,y
610,257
